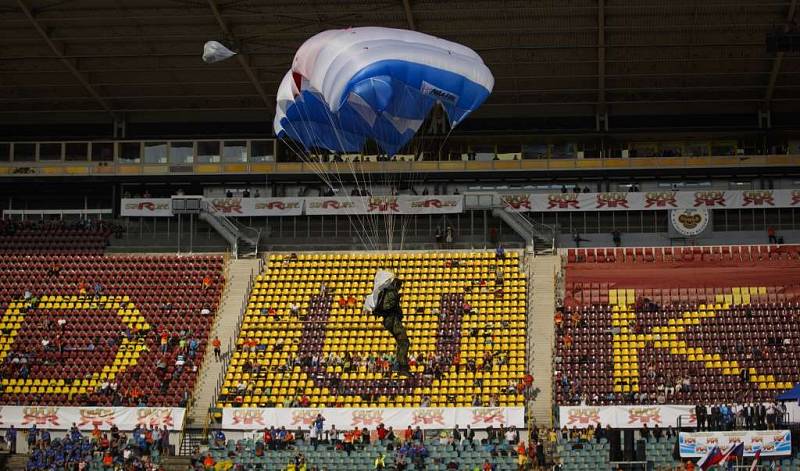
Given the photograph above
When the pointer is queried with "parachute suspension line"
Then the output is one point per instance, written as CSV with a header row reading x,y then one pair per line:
x,y
367,228
306,156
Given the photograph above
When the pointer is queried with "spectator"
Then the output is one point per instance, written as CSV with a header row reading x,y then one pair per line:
x,y
448,238
11,439
207,282
500,253
772,236
408,434
438,237
469,435
380,462
205,311
217,351
576,237
616,236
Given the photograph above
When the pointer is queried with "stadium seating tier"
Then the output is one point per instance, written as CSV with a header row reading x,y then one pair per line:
x,y
146,294
291,351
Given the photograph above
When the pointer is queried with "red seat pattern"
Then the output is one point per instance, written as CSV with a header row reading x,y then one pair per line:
x,y
633,328
53,238
639,255
143,283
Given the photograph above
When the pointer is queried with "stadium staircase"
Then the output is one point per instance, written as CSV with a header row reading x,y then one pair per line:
x,y
542,270
242,239
16,462
240,275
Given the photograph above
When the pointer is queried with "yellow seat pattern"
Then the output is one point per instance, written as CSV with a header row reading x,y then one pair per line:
x,y
270,335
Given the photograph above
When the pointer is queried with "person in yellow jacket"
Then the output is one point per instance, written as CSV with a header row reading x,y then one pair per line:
x,y
379,462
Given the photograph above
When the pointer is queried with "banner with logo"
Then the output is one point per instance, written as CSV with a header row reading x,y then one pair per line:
x,y
690,222
770,442
405,204
146,207
650,200
626,416
85,418
234,207
429,418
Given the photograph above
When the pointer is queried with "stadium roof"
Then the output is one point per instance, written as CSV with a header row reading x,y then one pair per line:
x,y
88,59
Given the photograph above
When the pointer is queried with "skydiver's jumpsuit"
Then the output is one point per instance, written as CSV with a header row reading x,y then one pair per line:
x,y
388,307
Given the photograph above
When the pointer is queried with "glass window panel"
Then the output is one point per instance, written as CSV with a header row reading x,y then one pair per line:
x,y
262,151
155,152
129,152
234,151
207,152
564,151
76,151
24,152
5,152
102,151
181,152
50,151
534,151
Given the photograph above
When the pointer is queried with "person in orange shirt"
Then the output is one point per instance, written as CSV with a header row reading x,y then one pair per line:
x,y
351,301
208,462
522,456
108,460
207,282
217,344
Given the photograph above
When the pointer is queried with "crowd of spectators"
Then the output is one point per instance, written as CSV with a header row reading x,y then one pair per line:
x,y
141,450
178,350
400,450
746,416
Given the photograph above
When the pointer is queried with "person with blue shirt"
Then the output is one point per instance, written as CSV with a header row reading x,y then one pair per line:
x,y
11,439
33,435
46,437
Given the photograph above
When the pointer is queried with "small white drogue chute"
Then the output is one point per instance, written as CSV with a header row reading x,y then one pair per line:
x,y
214,51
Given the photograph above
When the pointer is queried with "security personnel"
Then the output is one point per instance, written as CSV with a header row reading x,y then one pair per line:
x,y
388,307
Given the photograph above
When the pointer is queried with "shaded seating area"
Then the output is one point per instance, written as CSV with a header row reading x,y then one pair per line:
x,y
87,330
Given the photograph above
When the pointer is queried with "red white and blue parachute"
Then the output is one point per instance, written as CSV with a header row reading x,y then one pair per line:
x,y
358,85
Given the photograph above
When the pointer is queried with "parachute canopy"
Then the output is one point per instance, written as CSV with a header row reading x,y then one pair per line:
x,y
382,279
349,87
214,51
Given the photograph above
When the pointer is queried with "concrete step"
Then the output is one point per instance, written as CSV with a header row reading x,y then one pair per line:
x,y
544,269
16,462
225,325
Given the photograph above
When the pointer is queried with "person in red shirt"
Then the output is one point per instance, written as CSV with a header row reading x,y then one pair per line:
x,y
305,401
216,344
408,433
207,282
382,432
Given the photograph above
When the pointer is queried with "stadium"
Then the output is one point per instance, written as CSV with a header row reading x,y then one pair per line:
x,y
399,234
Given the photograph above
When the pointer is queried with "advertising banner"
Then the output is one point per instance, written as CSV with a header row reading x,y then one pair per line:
x,y
651,200
626,416
85,418
770,442
346,419
405,204
146,207
236,207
